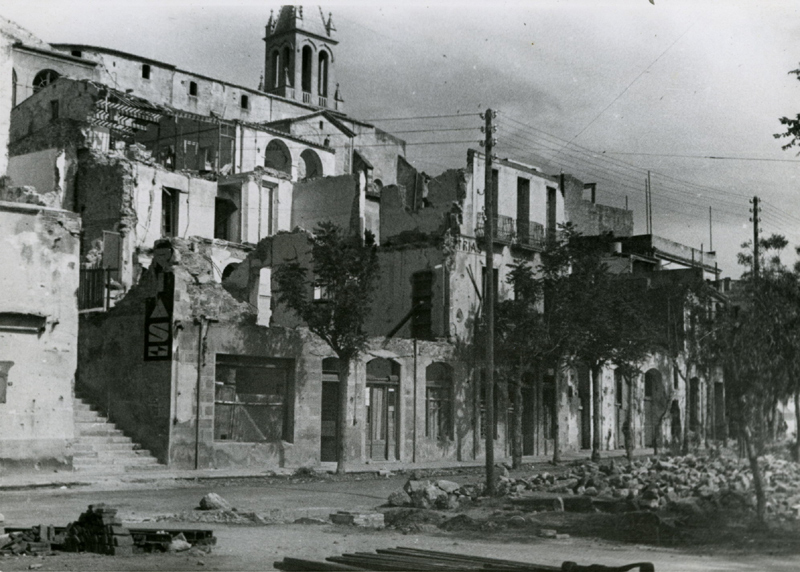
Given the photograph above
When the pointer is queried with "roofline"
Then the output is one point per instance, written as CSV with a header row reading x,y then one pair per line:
x,y
279,133
177,69
114,52
53,53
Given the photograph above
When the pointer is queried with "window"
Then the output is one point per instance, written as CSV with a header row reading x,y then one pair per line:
x,y
322,74
193,88
421,304
306,77
252,399
439,401
244,102
77,53
278,157
54,110
145,71
551,213
310,165
43,79
276,69
169,212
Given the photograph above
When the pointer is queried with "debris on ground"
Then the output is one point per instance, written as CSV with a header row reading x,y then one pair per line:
x,y
689,485
360,519
212,501
417,559
35,541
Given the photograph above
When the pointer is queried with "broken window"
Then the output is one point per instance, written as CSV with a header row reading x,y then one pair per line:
x,y
145,71
169,212
44,78
422,305
193,88
439,401
252,399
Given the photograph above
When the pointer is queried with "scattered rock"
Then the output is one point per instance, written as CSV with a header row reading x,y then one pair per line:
x,y
548,533
179,543
212,501
399,498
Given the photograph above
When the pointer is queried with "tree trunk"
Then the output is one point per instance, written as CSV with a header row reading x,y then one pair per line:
x,y
628,433
516,424
796,451
758,482
597,425
341,422
556,423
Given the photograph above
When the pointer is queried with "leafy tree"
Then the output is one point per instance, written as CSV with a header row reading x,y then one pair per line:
x,y
792,125
344,269
750,340
610,314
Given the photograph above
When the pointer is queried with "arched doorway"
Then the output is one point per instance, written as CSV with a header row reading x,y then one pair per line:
x,y
329,411
653,392
278,157
383,419
310,165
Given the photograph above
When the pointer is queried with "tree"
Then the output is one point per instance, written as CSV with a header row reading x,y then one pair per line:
x,y
792,125
609,314
750,341
344,269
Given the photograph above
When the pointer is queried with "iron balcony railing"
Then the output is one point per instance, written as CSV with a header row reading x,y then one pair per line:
x,y
306,97
524,233
323,101
93,288
503,229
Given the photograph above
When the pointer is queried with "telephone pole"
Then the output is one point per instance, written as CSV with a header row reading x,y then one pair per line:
x,y
755,220
489,297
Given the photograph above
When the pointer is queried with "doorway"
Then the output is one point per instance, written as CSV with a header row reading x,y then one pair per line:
x,y
653,389
329,411
382,401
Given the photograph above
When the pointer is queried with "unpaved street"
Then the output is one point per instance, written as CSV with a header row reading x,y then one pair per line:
x,y
257,547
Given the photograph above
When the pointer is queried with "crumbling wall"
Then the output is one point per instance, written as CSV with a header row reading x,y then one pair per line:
x,y
38,334
590,218
331,199
51,172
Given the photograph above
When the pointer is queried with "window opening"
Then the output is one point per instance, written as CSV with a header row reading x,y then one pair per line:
x,y
193,88
245,102
252,399
169,211
145,71
422,305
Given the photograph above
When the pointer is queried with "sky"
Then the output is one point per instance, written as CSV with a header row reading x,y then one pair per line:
x,y
605,90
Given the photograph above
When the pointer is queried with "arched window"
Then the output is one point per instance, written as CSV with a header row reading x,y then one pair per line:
x,y
288,76
308,59
44,78
310,165
323,74
278,157
276,68
439,401
13,88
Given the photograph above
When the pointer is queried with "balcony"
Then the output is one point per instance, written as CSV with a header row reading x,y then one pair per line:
x,y
306,97
530,234
323,101
503,229
522,233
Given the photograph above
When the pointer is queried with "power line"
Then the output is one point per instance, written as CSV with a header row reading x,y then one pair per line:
x,y
715,157
469,115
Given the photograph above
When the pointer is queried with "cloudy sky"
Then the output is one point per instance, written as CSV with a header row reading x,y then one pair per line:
x,y
606,90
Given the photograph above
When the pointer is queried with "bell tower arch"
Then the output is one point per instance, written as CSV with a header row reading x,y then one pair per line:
x,y
299,57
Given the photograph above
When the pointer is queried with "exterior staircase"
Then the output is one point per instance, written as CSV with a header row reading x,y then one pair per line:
x,y
100,447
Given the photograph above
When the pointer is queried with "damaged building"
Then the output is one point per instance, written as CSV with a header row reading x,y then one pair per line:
x,y
151,211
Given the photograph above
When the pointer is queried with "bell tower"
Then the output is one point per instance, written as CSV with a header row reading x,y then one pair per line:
x,y
298,61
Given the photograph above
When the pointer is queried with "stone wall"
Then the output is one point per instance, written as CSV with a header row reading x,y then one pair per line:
x,y
38,334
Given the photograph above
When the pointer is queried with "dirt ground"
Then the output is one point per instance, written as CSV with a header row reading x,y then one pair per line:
x,y
726,541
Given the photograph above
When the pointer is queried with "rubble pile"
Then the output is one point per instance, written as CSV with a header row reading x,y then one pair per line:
x,y
37,540
686,484
99,530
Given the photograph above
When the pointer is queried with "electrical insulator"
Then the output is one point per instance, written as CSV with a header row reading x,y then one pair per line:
x,y
483,116
483,129
494,114
494,128
482,143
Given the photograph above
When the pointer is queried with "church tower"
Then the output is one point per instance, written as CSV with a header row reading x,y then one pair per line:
x,y
298,60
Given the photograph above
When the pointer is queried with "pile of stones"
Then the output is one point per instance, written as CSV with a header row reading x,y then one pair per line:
x,y
688,484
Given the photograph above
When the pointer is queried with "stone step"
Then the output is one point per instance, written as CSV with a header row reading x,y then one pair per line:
x,y
107,429
85,462
89,416
81,446
95,439
113,454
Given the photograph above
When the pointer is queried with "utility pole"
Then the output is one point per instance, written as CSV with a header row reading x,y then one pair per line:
x,y
650,202
489,296
755,220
